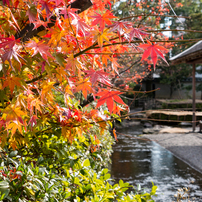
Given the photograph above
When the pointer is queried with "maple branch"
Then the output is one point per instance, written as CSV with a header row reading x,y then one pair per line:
x,y
140,22
85,50
28,31
134,16
136,62
36,78
89,99
114,79
126,91
158,41
174,30
94,46
125,53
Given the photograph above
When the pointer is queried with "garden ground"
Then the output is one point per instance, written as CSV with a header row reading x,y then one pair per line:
x,y
186,146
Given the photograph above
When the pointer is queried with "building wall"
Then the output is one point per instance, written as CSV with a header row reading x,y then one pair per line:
x,y
164,91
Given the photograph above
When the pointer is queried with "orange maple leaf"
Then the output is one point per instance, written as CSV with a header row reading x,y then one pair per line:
x,y
13,117
11,82
114,133
85,86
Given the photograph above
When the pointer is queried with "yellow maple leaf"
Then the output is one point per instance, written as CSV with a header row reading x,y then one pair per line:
x,y
46,92
102,36
56,35
37,104
13,113
21,101
13,126
61,74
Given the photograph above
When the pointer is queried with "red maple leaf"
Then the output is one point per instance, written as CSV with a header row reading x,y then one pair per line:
x,y
154,51
45,4
8,42
68,12
6,2
40,48
33,121
81,26
11,53
103,19
32,14
37,23
109,97
120,26
99,75
137,33
58,2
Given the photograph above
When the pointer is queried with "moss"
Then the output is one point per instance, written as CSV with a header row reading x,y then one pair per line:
x,y
199,105
198,118
173,117
164,117
181,118
188,118
189,105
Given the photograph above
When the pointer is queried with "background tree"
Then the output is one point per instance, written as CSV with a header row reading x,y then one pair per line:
x,y
147,17
174,75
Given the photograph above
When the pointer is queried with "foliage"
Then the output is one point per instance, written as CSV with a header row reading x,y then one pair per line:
x,y
72,172
146,15
174,75
58,99
192,13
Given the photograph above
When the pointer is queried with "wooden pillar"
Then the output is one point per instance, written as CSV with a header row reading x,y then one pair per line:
x,y
194,97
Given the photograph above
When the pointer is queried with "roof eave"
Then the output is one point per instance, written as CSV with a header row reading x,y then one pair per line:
x,y
190,55
191,58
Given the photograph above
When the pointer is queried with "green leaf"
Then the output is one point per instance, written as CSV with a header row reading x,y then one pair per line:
x,y
107,176
93,188
4,189
13,153
86,163
60,58
37,193
3,97
121,183
154,188
105,171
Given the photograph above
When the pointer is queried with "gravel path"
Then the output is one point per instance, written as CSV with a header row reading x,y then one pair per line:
x,y
187,147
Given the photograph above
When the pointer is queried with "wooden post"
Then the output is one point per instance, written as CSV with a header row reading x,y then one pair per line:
x,y
194,97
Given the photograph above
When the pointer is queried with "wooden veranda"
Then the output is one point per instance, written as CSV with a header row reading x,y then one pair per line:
x,y
192,55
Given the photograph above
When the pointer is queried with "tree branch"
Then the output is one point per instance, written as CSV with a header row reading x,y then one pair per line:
x,y
136,62
157,15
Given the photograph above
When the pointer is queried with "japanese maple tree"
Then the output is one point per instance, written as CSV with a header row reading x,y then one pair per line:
x,y
57,98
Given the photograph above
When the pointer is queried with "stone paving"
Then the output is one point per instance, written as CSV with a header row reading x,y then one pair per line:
x,y
186,146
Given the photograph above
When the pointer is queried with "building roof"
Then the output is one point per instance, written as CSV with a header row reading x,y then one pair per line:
x,y
190,55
